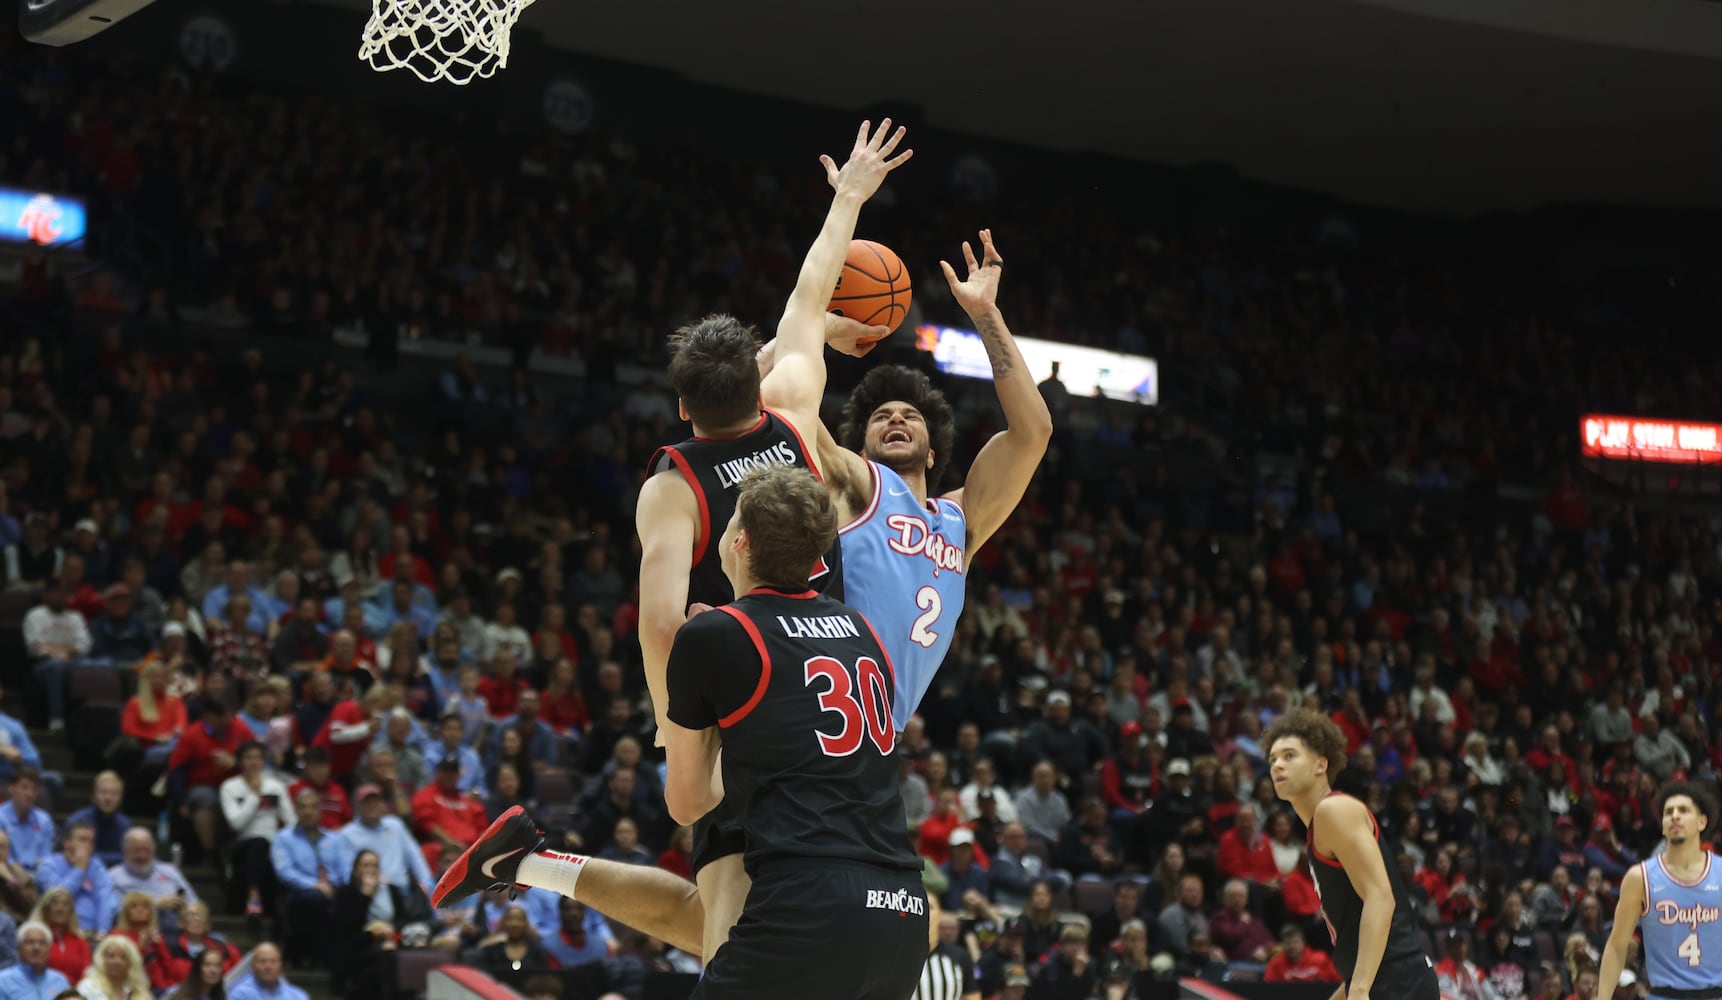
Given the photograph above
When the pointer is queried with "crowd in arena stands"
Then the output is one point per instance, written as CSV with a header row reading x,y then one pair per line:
x,y
346,644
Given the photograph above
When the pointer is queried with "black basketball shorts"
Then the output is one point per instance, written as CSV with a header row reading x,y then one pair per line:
x,y
717,834
1408,978
823,930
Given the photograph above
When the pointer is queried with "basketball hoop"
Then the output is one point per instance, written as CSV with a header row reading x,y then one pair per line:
x,y
454,40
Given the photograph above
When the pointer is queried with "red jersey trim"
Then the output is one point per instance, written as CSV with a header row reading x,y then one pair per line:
x,y
1676,880
769,592
756,426
806,453
872,505
764,668
1374,832
681,463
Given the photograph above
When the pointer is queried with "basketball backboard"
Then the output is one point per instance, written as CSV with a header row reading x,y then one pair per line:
x,y
63,22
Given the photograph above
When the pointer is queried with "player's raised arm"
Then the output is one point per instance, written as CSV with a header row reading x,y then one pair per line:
x,y
1001,472
1626,914
797,379
1347,831
668,522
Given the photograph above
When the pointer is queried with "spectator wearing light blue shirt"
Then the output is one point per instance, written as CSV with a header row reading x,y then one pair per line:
x,y
543,744
263,609
376,623
266,981
403,730
582,935
402,605
8,941
16,749
450,745
31,979
311,863
139,871
541,906
77,871
398,856
30,829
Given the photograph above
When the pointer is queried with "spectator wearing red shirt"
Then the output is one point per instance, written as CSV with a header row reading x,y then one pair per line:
x,y
401,564
1296,963
677,859
1245,851
935,831
153,716
1549,751
206,755
501,689
447,821
563,707
1353,721
349,730
335,810
81,596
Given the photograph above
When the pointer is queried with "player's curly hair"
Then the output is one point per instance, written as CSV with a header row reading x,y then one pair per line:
x,y
1318,732
897,382
1699,794
714,368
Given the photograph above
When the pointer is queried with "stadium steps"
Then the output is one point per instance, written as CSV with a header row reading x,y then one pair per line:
x,y
205,880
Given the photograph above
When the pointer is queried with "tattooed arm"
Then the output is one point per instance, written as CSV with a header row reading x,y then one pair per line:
x,y
1002,471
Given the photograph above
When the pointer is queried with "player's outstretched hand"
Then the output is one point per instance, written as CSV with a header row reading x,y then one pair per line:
x,y
851,336
698,608
978,292
869,161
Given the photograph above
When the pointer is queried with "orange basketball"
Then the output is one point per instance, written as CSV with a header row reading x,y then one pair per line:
x,y
874,286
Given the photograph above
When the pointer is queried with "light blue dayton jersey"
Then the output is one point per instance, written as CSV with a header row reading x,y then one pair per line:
x,y
1682,928
904,571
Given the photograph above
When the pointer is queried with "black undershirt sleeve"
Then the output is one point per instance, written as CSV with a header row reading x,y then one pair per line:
x,y
714,668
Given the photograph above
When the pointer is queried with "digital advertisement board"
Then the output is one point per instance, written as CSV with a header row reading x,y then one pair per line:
x,y
1127,377
1644,439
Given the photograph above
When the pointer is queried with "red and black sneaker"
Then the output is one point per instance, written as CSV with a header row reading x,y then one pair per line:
x,y
493,860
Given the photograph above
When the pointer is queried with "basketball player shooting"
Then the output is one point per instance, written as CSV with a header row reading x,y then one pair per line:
x,y
682,507
907,549
1675,901
1375,935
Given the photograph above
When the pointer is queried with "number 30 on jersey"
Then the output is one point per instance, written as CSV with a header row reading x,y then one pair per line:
x,y
862,703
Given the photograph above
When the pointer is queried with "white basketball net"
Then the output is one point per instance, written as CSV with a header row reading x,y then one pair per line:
x,y
453,40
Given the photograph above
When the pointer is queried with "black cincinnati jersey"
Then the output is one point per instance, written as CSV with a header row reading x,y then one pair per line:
x,y
802,691
1344,907
714,470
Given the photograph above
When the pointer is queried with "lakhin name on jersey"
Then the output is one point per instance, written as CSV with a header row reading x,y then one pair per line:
x,y
736,469
901,901
822,627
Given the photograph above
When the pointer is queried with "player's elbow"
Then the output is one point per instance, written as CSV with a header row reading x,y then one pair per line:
x,y
686,803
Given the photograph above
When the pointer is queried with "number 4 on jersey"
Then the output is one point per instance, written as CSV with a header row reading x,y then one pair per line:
x,y
863,703
1689,949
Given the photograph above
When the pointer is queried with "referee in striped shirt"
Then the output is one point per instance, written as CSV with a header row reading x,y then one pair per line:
x,y
948,973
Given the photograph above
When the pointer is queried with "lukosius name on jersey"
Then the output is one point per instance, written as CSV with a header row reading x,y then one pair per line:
x,y
732,472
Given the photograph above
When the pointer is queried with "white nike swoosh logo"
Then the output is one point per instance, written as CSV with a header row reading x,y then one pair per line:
x,y
488,869
899,493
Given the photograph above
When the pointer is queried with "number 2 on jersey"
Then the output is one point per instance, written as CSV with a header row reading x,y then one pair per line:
x,y
927,599
1689,949
866,714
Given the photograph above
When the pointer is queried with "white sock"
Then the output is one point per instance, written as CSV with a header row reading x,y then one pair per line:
x,y
552,870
